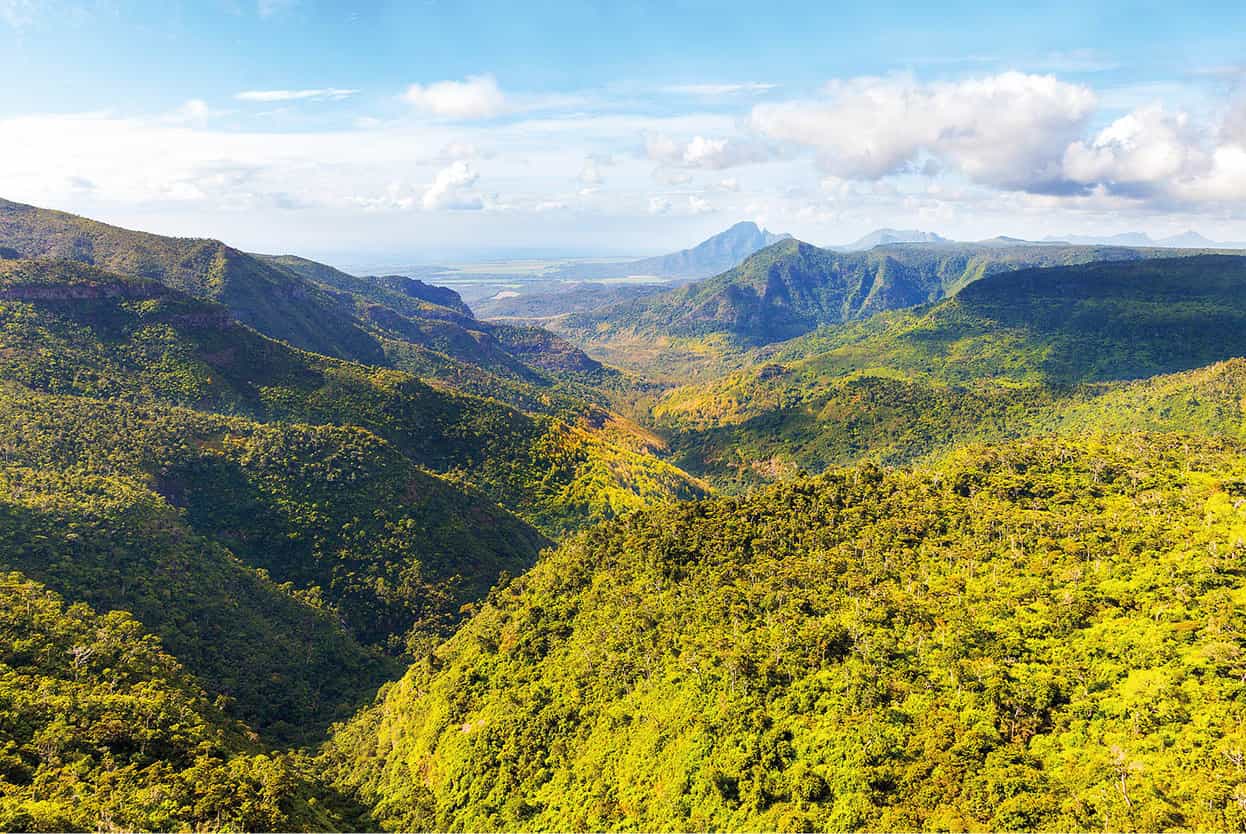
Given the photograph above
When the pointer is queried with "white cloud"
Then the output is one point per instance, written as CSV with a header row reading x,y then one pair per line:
x,y
699,205
397,196
718,89
1007,130
325,94
448,189
1142,149
353,182
703,152
478,97
1154,154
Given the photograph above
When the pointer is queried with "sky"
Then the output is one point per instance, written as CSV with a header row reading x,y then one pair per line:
x,y
419,132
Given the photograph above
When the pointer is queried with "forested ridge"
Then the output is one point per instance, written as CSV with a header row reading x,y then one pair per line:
x,y
1038,636
72,329
792,288
1105,345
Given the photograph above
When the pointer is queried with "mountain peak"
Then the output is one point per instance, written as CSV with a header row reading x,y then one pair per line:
x,y
883,237
1189,239
709,257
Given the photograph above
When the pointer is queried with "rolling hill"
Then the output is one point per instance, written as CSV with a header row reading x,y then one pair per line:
x,y
296,552
274,301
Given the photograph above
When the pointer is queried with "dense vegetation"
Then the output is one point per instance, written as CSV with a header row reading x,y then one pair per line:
x,y
278,658
101,730
895,420
391,551
1041,636
239,493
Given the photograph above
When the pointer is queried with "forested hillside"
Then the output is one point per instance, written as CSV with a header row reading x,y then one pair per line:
x,y
389,321
1037,636
274,516
1037,351
274,301
72,329
370,549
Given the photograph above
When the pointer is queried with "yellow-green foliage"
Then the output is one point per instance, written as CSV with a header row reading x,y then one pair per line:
x,y
1038,636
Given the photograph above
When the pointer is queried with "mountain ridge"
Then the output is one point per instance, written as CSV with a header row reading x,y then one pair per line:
x,y
793,287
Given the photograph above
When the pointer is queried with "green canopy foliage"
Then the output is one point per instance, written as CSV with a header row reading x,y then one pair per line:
x,y
1038,636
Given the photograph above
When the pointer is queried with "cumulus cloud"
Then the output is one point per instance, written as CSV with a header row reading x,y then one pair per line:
x,y
698,205
1154,153
1138,152
477,97
703,152
448,189
325,94
396,196
1008,130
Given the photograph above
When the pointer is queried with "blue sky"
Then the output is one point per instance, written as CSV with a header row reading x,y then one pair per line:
x,y
422,131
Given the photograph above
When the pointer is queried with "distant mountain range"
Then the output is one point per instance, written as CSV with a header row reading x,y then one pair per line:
x,y
882,237
1185,240
710,257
